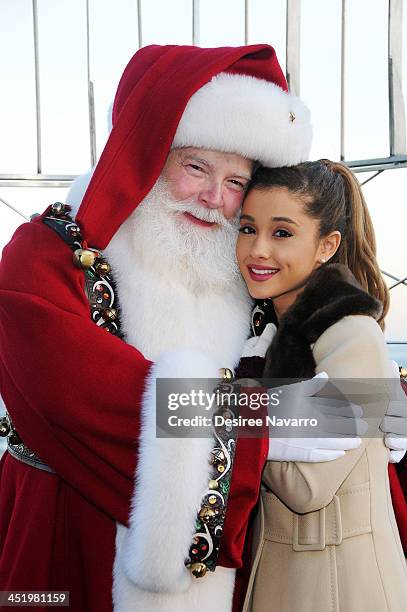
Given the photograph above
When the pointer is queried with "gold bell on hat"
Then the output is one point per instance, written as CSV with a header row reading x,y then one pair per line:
x,y
84,258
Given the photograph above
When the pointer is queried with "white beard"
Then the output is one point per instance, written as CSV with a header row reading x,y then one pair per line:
x,y
200,257
179,284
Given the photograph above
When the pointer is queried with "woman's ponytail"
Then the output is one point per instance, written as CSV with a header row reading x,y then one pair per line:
x,y
358,246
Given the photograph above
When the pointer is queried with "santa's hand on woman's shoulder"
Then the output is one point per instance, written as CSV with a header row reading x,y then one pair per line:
x,y
257,346
394,424
315,428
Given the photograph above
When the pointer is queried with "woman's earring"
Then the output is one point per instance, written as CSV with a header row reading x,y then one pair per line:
x,y
323,260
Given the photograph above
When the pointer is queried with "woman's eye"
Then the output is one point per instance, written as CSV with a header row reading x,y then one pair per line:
x,y
246,229
282,233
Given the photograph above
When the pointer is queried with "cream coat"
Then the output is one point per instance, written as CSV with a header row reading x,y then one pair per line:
x,y
357,565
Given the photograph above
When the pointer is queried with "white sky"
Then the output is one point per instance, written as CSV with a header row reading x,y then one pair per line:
x,y
114,38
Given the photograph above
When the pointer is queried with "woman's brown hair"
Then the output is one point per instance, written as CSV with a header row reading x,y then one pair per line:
x,y
332,195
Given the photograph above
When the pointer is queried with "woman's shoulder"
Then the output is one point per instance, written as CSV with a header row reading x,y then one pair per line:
x,y
354,346
355,325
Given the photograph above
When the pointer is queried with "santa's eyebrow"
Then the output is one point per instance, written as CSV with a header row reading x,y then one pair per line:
x,y
204,162
242,176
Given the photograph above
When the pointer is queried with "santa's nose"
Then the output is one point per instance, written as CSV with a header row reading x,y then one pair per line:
x,y
211,196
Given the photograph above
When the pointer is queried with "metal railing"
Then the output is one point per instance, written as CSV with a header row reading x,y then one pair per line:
x,y
397,157
397,119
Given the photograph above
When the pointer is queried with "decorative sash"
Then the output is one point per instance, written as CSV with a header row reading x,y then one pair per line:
x,y
17,448
204,550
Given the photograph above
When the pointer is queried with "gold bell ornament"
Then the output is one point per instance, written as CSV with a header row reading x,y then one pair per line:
x,y
102,268
58,208
110,314
84,258
206,513
198,569
227,374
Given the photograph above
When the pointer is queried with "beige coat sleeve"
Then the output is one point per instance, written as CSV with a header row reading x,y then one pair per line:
x,y
352,348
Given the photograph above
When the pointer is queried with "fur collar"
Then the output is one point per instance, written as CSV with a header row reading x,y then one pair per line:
x,y
331,293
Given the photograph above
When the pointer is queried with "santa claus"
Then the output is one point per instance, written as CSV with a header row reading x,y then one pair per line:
x,y
158,217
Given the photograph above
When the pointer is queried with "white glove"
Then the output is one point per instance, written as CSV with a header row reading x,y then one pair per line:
x,y
257,346
394,425
311,450
336,417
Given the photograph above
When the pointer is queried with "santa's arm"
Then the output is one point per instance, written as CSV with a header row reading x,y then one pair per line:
x,y
73,391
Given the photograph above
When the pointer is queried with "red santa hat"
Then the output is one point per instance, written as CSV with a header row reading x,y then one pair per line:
x,y
232,99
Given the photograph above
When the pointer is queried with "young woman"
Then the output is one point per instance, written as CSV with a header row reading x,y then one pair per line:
x,y
326,532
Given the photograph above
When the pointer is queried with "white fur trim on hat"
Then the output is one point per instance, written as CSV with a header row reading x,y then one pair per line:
x,y
248,116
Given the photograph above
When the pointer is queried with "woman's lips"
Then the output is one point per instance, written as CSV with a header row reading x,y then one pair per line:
x,y
261,273
199,221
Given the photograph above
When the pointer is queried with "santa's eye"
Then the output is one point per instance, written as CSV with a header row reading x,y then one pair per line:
x,y
238,184
195,167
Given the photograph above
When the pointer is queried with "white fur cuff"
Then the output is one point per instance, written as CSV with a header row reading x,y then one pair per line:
x,y
171,478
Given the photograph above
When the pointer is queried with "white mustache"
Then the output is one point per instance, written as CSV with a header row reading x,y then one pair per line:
x,y
211,215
